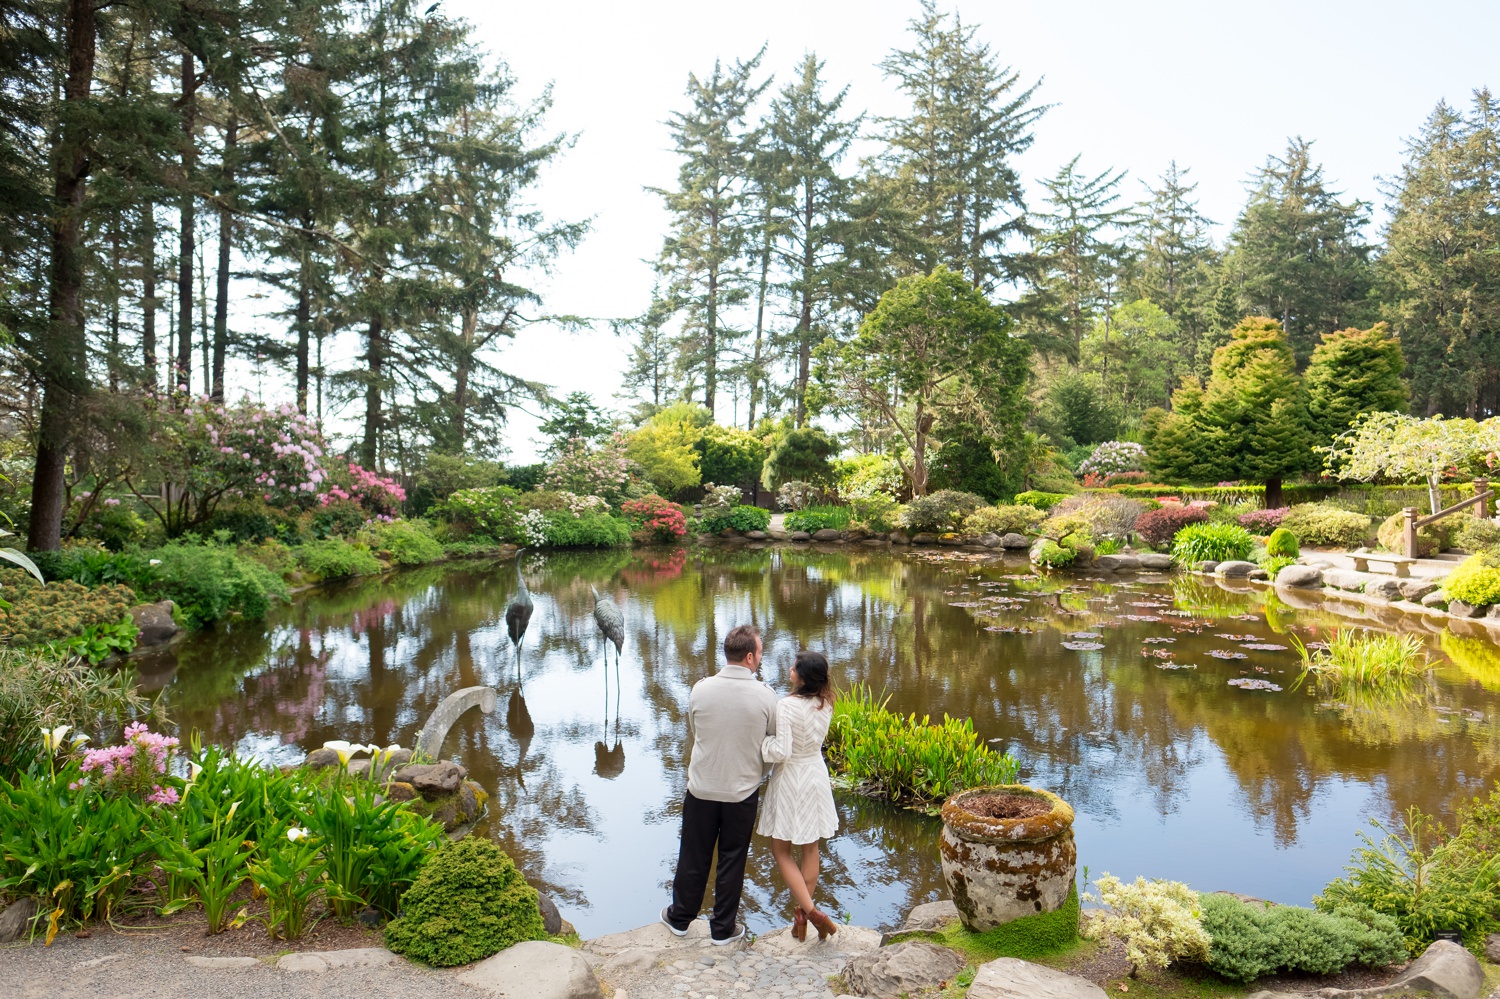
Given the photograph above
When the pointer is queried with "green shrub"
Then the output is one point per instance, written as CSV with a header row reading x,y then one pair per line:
x,y
270,553
491,511
1425,883
944,510
1107,515
878,513
59,610
1004,519
818,518
208,583
251,520
1040,500
1476,580
1216,542
1051,555
114,525
410,542
333,558
740,518
592,530
1321,524
1254,940
906,759
1430,538
1282,543
469,902
1158,920
1476,535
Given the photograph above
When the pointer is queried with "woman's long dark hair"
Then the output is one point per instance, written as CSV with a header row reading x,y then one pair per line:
x,y
812,674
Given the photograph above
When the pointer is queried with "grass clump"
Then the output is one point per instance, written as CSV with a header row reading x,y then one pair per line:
x,y
1253,940
818,518
469,902
1212,542
906,759
1357,660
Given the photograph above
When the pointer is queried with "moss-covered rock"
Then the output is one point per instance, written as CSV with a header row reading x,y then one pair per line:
x,y
469,902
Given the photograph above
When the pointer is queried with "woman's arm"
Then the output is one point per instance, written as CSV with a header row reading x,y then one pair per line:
x,y
778,748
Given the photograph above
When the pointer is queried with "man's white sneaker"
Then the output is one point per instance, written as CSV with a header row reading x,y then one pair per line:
x,y
675,930
739,934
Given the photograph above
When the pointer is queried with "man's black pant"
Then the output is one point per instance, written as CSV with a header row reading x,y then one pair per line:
x,y
705,823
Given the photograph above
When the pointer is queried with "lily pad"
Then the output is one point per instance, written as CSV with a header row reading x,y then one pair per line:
x,y
1227,654
1250,683
1263,647
1158,640
1084,634
1083,646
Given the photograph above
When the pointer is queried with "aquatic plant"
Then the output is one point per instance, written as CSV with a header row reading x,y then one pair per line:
x,y
1359,660
907,759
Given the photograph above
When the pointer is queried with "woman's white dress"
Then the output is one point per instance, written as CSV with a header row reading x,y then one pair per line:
x,y
798,806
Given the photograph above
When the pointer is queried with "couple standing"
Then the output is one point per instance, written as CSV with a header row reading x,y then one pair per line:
x,y
736,729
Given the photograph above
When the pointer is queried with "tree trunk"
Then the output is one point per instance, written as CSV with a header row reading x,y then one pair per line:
x,y
711,342
804,318
920,428
226,240
461,379
1273,493
760,319
375,363
112,363
1435,492
304,313
148,294
186,241
64,373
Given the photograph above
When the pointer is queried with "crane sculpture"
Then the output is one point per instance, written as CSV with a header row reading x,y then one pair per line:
x,y
611,624
518,614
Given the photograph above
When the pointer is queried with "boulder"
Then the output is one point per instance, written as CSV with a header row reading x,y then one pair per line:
x,y
1344,579
1299,575
800,536
535,969
1444,969
899,538
952,540
990,540
827,534
931,916
1011,978
15,921
1207,565
924,538
902,969
1492,948
1155,561
155,623
1013,540
1383,589
1434,599
1494,612
327,960
1460,609
321,758
1235,568
1416,589
1258,574
1117,563
551,918
757,535
433,780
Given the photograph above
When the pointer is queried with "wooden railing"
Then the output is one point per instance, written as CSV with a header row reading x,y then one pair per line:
x,y
1480,501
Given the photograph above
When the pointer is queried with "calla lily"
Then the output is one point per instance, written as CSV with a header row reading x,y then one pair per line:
x,y
52,737
193,771
344,749
297,832
384,754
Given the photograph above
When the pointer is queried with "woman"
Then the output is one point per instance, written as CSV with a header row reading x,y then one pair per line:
x,y
798,807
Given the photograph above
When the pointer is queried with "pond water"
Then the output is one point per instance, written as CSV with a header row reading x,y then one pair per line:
x,y
1188,773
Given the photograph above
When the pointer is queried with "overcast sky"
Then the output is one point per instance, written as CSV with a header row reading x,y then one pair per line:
x,y
1215,86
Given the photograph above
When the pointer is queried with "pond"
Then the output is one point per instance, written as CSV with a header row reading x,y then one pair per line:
x,y
1179,763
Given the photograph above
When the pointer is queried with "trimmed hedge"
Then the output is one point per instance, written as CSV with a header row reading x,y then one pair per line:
x,y
1320,524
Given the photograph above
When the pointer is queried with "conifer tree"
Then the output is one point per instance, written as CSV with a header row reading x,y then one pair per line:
x,y
1173,259
1352,372
1179,447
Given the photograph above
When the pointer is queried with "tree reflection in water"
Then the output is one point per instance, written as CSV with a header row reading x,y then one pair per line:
x,y
1173,772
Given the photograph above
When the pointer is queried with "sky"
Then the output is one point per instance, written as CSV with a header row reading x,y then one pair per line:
x,y
1217,87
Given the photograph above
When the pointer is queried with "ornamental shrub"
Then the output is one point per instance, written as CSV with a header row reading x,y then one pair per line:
x,y
1003,519
469,902
818,518
334,558
1262,521
1107,516
207,582
1112,457
1158,920
796,494
491,512
1216,542
1430,538
738,518
410,542
1476,535
58,610
1158,527
1050,555
878,513
1253,940
1040,500
944,510
1476,580
592,530
655,519
1282,543
1321,524
866,475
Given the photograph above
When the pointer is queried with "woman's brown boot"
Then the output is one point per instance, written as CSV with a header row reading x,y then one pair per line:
x,y
799,925
824,925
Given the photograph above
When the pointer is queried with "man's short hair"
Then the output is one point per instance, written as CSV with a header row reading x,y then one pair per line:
x,y
740,642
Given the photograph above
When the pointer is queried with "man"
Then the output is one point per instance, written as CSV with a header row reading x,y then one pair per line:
x,y
729,714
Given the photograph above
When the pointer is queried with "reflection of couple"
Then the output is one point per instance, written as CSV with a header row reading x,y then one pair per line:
x,y
736,730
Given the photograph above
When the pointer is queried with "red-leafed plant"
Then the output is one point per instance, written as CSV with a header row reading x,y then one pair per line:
x,y
1159,527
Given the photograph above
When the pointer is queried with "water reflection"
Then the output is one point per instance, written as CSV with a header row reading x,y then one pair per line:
x,y
1172,771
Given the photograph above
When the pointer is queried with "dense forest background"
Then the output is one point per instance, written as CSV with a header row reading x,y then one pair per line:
x,y
183,185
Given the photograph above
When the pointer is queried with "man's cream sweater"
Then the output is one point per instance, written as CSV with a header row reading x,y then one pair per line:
x,y
728,716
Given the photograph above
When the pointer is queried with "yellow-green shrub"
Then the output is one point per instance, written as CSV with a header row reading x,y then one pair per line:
x,y
61,609
1476,580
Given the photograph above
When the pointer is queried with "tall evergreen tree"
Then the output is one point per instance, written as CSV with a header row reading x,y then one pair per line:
x,y
1297,251
703,256
1440,272
1174,257
1352,372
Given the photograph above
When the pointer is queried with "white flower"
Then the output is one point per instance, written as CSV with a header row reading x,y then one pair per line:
x,y
297,832
52,737
345,749
193,771
156,561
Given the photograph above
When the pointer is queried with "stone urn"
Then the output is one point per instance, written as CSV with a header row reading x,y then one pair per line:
x,y
1007,853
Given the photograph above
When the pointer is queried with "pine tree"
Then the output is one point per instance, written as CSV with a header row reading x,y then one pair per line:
x,y
1174,259
1440,274
1297,250
703,256
1180,448
1352,372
